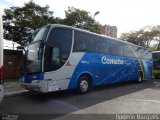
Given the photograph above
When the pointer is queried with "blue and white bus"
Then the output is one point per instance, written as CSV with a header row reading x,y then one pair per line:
x,y
60,57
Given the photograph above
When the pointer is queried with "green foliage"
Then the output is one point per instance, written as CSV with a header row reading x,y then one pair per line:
x,y
20,22
154,47
131,37
80,19
144,36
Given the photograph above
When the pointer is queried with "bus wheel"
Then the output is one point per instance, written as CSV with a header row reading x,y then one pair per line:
x,y
140,78
156,76
84,85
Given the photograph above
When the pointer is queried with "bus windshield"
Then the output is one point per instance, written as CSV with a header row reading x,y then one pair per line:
x,y
33,52
34,58
39,34
156,61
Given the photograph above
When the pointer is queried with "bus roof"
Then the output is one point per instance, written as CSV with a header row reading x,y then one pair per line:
x,y
86,31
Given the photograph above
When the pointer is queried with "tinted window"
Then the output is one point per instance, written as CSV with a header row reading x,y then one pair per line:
x,y
83,42
156,55
58,48
149,55
128,51
102,45
145,54
116,48
156,60
156,64
142,52
34,57
136,51
39,34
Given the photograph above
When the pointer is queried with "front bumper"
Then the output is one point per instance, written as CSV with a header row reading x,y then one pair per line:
x,y
41,86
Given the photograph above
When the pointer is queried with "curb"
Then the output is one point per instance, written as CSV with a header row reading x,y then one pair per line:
x,y
11,94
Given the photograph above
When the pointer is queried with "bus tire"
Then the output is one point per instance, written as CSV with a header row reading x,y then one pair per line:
x,y
83,85
156,76
140,77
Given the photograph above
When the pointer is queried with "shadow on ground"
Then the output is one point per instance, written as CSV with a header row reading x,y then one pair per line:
x,y
60,103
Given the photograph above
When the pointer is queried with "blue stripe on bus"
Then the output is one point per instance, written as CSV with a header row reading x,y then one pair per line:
x,y
91,63
31,77
147,67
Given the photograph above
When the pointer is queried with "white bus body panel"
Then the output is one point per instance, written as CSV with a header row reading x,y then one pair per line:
x,y
60,79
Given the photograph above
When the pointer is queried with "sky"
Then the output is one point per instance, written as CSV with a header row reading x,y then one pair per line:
x,y
127,15
10,45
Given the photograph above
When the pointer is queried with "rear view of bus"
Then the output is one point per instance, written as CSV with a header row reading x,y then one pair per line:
x,y
156,64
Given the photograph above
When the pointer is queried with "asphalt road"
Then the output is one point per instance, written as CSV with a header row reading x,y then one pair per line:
x,y
127,98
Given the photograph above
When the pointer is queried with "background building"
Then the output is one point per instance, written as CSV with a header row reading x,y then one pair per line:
x,y
108,30
12,60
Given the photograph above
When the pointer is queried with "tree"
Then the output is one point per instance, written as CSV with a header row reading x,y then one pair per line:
x,y
80,19
20,22
156,30
131,37
144,36
154,47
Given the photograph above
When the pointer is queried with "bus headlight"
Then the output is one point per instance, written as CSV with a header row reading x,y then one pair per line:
x,y
35,81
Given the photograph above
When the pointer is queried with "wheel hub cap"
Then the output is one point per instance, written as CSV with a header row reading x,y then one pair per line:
x,y
83,85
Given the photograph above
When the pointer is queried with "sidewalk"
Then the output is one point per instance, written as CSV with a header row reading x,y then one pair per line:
x,y
12,87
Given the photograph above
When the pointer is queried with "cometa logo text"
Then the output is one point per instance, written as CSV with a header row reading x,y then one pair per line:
x,y
111,61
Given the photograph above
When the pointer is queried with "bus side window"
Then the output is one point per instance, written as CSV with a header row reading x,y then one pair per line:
x,y
102,45
59,44
55,57
116,48
128,51
52,58
83,42
81,46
